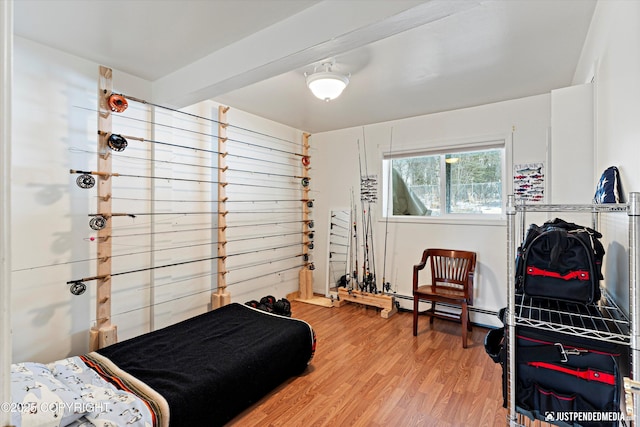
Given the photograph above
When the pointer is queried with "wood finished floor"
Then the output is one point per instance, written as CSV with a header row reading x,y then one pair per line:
x,y
370,371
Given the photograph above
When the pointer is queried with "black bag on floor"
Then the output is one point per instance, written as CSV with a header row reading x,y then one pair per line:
x,y
560,260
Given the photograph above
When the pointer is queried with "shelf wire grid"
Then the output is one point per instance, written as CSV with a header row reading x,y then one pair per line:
x,y
604,320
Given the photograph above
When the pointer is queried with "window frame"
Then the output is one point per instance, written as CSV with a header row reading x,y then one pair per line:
x,y
502,142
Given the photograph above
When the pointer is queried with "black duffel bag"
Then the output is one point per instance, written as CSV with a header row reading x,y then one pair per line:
x,y
560,260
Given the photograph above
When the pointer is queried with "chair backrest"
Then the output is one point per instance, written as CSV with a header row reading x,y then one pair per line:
x,y
451,269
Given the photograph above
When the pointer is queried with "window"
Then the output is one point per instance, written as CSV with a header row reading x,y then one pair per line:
x,y
443,183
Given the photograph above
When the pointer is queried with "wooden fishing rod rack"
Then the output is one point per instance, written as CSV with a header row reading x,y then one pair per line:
x,y
386,303
305,292
222,297
104,332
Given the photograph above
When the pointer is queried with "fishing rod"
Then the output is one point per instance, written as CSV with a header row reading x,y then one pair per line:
x,y
354,219
331,253
333,224
337,218
195,293
373,286
209,135
310,235
86,179
132,98
366,273
305,257
309,202
365,255
78,287
223,213
118,104
310,224
99,221
339,244
308,265
119,143
173,299
386,286
194,165
250,144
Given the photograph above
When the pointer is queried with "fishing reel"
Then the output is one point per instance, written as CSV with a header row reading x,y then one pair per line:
x,y
305,181
310,224
310,204
117,103
310,245
117,142
386,286
98,222
77,288
310,266
306,160
305,257
85,181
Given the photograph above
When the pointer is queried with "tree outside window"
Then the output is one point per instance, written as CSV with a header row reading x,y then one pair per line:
x,y
466,182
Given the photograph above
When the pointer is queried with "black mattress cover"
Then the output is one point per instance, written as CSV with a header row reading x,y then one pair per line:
x,y
213,366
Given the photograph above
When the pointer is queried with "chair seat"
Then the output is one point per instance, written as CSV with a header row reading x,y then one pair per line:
x,y
442,294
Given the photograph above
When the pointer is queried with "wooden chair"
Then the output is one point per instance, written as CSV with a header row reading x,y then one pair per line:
x,y
451,283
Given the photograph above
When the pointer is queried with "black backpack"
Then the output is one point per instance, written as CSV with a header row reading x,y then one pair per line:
x,y
560,260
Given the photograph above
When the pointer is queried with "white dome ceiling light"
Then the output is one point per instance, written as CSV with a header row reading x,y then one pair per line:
x,y
327,84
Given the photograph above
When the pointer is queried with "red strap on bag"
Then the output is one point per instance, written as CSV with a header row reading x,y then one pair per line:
x,y
587,374
579,274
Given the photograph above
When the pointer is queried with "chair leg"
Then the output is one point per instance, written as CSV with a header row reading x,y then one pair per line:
x,y
465,324
432,310
415,316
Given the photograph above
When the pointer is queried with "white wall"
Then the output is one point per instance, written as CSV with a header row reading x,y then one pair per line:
x,y
571,146
523,123
54,110
611,57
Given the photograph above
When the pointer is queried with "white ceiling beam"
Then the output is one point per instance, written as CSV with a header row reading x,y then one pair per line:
x,y
318,32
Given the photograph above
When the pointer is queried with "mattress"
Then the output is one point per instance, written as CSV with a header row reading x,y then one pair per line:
x,y
202,371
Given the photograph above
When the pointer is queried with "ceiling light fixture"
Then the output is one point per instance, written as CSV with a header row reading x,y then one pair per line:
x,y
327,84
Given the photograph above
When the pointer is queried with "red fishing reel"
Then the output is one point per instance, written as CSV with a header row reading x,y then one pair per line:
x,y
117,103
306,160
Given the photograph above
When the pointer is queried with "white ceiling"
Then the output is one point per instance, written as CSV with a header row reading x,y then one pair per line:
x,y
405,57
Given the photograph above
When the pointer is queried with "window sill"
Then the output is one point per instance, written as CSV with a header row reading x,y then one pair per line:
x,y
486,220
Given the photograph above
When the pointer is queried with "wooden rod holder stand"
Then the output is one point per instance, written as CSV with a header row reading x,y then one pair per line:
x,y
385,302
